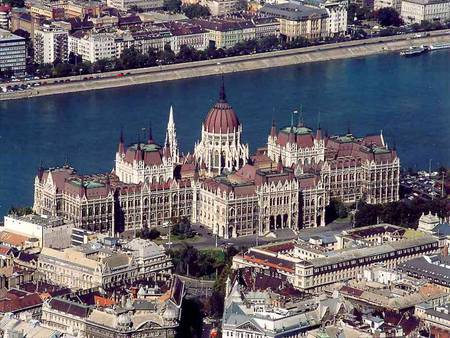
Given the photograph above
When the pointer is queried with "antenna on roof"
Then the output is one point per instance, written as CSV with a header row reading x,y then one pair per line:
x,y
66,160
300,117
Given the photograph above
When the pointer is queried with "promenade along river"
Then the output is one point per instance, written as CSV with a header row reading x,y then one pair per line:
x,y
407,98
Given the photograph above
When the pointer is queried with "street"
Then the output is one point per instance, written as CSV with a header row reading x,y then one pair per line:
x,y
208,241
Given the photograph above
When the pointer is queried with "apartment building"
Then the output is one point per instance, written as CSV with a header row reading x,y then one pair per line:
x,y
86,266
146,5
4,16
416,11
228,31
221,7
93,46
396,4
311,267
151,259
50,44
12,53
52,232
337,16
298,20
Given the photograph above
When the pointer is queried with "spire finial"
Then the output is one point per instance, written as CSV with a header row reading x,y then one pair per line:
x,y
222,95
318,120
121,135
171,115
150,134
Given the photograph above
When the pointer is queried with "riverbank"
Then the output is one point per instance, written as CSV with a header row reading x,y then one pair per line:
x,y
343,50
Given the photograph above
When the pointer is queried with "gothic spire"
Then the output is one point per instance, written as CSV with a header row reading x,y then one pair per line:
x,y
121,149
273,130
222,95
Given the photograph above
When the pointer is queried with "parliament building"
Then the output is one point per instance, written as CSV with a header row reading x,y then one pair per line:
x,y
286,184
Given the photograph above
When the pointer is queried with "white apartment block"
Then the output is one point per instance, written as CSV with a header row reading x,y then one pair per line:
x,y
221,7
143,4
93,46
50,44
396,4
4,16
52,232
337,16
12,52
416,11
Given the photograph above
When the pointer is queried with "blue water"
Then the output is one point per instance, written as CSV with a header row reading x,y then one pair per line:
x,y
408,98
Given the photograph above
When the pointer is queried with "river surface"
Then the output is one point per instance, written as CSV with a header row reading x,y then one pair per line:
x,y
407,98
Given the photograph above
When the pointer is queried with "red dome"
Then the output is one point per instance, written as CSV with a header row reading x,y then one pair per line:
x,y
221,119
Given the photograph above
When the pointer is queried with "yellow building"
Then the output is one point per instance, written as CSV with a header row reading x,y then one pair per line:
x,y
297,20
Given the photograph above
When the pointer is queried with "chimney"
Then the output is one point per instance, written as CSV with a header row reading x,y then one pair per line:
x,y
445,250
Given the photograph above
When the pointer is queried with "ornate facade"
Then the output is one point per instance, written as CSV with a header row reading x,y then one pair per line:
x,y
220,147
350,168
286,185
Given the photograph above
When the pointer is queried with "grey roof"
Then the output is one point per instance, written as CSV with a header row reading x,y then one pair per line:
x,y
435,268
293,11
442,229
8,36
442,312
349,254
427,2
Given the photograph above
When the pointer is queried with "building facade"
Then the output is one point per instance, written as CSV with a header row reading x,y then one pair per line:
x,y
286,185
93,46
50,44
298,20
416,11
311,267
351,168
12,53
145,5
86,267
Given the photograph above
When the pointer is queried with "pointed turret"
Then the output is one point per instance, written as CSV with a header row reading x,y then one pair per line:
x,y
138,153
171,137
121,149
292,138
273,130
40,172
280,164
171,121
319,135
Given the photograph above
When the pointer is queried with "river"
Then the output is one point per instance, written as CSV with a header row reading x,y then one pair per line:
x,y
407,98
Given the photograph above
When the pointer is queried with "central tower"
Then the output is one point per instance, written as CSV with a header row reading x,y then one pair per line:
x,y
220,146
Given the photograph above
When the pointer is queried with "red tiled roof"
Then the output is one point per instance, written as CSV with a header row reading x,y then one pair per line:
x,y
14,303
12,239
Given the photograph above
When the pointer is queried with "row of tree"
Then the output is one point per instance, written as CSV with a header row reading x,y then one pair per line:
x,y
132,58
405,213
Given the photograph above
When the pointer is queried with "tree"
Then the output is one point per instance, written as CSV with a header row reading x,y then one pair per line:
x,y
15,3
61,69
167,56
195,11
172,5
20,211
388,16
